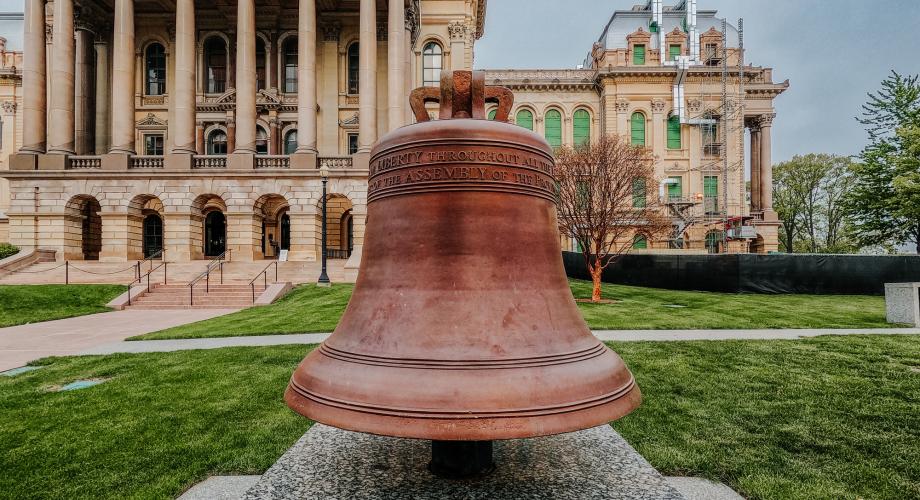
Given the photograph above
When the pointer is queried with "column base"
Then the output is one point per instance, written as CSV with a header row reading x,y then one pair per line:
x,y
241,161
304,161
361,160
115,161
178,161
53,162
24,161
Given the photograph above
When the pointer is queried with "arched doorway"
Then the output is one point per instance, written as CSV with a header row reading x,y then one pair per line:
x,y
272,210
339,227
215,233
84,228
153,235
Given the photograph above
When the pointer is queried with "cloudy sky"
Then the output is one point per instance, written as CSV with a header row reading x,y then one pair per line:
x,y
832,51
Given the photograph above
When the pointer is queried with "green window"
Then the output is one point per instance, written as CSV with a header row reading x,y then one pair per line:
x,y
673,52
713,241
553,122
582,127
638,194
673,132
639,55
637,129
711,193
492,114
653,27
524,118
640,242
675,189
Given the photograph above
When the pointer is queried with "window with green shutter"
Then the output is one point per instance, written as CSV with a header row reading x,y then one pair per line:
x,y
711,193
675,189
582,127
639,55
640,242
638,193
674,132
674,52
491,114
553,128
524,118
637,129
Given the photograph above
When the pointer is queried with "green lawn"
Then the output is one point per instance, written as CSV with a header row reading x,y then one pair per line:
x,y
21,304
832,417
313,309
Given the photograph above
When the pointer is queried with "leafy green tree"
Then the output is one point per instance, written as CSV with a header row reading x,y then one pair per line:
x,y
807,196
884,203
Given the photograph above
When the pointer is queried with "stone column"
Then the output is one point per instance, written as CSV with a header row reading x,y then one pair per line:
x,y
396,53
274,133
33,78
367,77
306,76
658,129
755,167
328,142
245,77
272,55
199,137
61,120
457,31
103,91
123,61
183,130
408,58
83,92
766,165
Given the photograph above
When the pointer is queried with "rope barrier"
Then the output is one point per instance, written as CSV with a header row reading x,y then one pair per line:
x,y
36,272
133,267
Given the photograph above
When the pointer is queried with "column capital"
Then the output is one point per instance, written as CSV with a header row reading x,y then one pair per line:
x,y
766,119
658,105
457,30
331,30
622,105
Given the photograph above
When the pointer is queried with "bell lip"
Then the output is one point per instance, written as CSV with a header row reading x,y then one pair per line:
x,y
468,429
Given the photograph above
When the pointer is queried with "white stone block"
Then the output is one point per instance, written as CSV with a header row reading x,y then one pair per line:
x,y
902,303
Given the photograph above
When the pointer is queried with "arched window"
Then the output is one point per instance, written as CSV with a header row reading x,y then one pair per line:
x,y
524,118
431,65
553,126
215,59
217,143
581,123
261,141
290,142
290,65
637,129
674,132
491,114
352,63
640,242
260,64
156,69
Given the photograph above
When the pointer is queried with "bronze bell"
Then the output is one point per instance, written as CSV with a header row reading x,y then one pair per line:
x,y
462,326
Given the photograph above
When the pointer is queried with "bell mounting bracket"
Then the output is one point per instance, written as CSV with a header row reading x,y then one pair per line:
x,y
462,94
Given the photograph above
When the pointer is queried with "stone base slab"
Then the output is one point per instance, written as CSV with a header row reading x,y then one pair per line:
x,y
330,463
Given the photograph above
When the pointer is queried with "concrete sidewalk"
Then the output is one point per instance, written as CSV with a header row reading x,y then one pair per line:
x,y
605,335
64,337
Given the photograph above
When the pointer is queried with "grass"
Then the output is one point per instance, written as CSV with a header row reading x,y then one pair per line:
x,y
307,309
832,417
21,304
312,309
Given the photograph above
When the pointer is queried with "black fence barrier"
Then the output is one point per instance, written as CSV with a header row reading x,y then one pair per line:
x,y
752,273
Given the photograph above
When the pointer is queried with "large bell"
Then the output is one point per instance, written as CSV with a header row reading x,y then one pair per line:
x,y
462,326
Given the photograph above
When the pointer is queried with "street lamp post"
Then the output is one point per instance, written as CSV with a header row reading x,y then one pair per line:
x,y
323,277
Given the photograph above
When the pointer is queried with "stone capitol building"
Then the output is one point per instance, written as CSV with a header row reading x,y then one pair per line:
x,y
193,127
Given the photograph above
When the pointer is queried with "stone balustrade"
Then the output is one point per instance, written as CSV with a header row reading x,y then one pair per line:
x,y
83,162
210,161
335,162
146,162
272,161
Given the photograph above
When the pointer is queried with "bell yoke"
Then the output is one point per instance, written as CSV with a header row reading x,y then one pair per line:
x,y
462,329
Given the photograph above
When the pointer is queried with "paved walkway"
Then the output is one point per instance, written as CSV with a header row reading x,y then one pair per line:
x,y
606,335
63,337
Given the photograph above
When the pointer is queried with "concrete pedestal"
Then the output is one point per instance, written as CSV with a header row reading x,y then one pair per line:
x,y
902,303
591,464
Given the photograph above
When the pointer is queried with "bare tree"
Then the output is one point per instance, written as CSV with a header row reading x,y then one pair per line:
x,y
607,196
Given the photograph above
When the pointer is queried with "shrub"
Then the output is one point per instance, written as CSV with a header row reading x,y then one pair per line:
x,y
6,250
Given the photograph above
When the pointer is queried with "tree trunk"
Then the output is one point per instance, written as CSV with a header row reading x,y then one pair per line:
x,y
596,272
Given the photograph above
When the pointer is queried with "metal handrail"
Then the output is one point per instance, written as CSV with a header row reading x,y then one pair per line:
x,y
158,254
264,275
139,278
216,263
